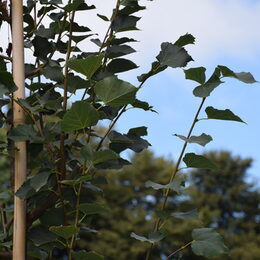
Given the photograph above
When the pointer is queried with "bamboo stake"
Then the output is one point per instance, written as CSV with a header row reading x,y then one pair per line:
x,y
19,228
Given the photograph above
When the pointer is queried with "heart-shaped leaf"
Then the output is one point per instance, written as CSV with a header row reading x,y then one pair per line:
x,y
115,92
207,242
80,116
87,66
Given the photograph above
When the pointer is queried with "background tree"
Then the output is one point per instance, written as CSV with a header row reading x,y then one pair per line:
x,y
223,198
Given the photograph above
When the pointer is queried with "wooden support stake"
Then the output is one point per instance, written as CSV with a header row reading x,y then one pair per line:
x,y
19,227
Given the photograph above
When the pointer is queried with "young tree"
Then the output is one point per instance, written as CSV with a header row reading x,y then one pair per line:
x,y
65,151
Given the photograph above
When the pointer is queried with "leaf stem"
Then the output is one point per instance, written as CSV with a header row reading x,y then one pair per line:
x,y
167,192
178,250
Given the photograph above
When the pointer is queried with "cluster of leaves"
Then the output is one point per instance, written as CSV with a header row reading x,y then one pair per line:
x,y
65,149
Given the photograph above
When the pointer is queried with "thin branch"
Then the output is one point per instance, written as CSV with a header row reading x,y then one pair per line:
x,y
178,250
167,192
6,57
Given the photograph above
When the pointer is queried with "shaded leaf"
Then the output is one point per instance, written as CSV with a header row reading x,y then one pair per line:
x,y
204,90
115,92
176,185
193,160
196,74
226,114
23,133
202,140
121,65
156,68
152,238
80,116
101,156
119,50
185,40
6,83
245,77
207,242
124,23
83,255
87,66
92,208
47,33
173,56
65,232
193,214
139,131
40,235
40,179
52,217
103,17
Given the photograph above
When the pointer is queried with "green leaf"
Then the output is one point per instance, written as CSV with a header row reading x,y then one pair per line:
x,y
124,23
83,255
193,214
143,105
87,152
245,77
23,133
48,33
204,90
40,235
115,92
40,179
226,114
185,40
121,65
208,243
156,68
80,116
4,196
92,208
65,232
193,160
119,142
87,66
6,83
176,185
53,73
103,17
105,155
152,238
139,131
196,74
52,217
119,50
202,140
173,56
42,47
25,191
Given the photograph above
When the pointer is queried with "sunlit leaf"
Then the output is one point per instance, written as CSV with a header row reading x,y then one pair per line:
x,y
115,92
80,116
87,66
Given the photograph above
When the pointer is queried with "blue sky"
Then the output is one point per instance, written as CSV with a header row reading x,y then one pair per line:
x,y
227,34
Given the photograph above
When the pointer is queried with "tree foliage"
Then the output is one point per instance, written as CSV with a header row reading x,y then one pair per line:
x,y
70,93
